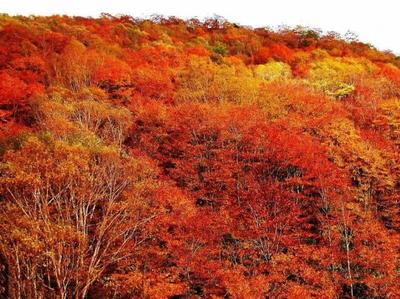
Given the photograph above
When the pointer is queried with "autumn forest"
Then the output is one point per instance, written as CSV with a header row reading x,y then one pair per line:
x,y
179,159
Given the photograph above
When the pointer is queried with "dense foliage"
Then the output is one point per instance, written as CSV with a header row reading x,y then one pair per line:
x,y
183,159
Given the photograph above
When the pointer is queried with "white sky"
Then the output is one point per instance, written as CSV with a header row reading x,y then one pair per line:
x,y
375,22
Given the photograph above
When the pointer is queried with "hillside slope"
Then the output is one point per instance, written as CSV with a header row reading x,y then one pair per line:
x,y
183,159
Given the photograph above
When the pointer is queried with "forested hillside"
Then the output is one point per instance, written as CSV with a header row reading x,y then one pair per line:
x,y
162,158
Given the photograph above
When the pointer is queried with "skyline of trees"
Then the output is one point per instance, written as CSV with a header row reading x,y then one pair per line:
x,y
163,158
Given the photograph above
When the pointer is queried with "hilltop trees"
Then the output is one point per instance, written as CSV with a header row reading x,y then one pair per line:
x,y
184,159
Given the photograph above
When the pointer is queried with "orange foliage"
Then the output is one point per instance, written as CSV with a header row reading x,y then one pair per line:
x,y
163,158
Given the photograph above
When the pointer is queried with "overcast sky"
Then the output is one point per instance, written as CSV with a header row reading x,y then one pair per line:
x,y
375,22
